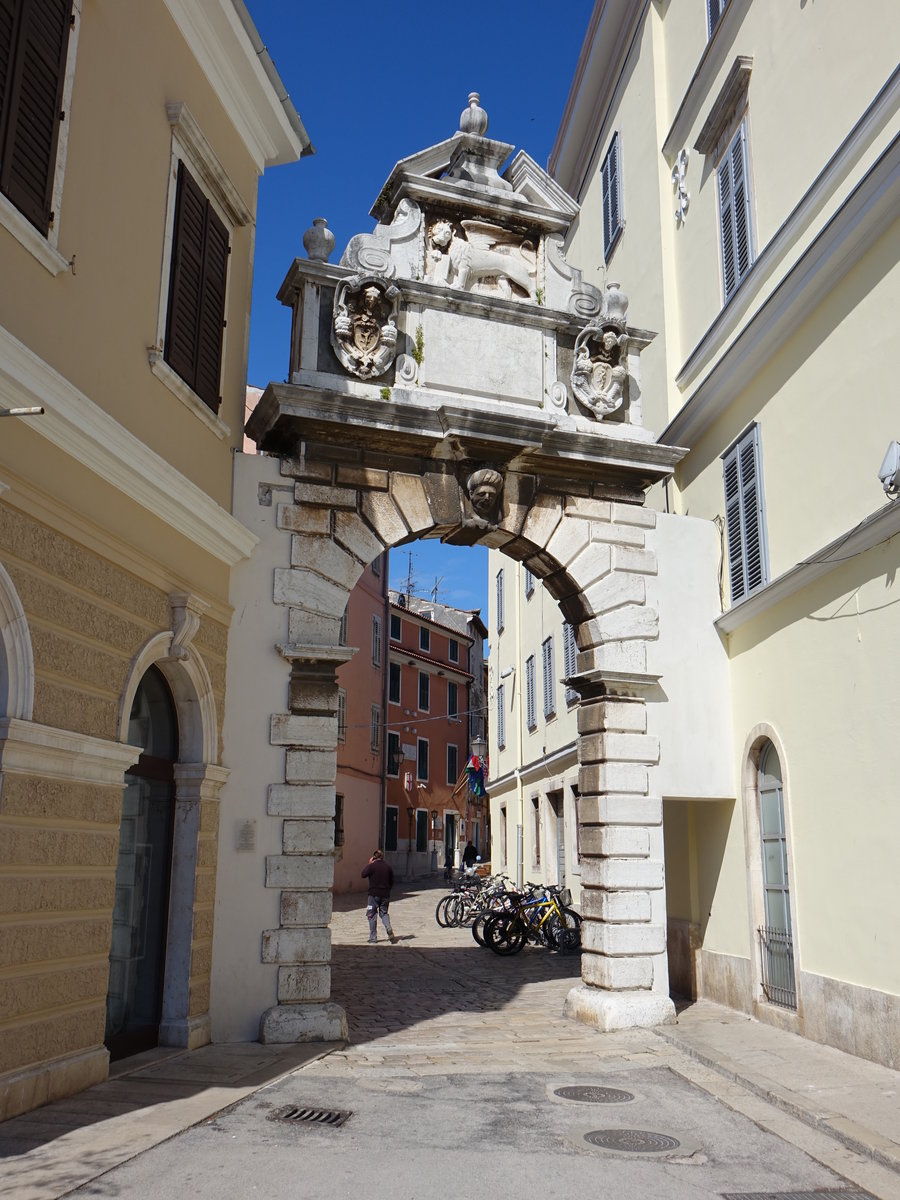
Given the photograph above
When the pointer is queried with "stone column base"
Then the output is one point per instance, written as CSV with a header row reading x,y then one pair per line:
x,y
186,1032
287,1023
618,1010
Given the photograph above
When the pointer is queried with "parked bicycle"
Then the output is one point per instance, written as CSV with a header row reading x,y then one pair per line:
x,y
541,915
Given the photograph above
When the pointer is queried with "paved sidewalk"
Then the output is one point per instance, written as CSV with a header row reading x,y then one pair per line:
x,y
435,1008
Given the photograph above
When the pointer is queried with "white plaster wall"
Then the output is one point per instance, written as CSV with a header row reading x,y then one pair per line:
x,y
691,715
256,686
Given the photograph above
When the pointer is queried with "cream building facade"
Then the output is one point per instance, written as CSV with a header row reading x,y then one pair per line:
x,y
748,206
127,223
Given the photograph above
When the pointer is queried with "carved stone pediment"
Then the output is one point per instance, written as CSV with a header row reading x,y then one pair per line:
x,y
364,326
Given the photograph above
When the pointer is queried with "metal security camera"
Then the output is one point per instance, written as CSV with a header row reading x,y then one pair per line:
x,y
889,472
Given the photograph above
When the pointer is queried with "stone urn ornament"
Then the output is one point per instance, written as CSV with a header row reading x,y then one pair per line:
x,y
318,241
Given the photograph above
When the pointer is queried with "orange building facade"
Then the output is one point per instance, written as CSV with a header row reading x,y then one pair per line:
x,y
429,810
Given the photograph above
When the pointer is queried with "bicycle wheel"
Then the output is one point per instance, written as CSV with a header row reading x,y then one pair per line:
x,y
455,910
567,931
505,935
440,913
478,926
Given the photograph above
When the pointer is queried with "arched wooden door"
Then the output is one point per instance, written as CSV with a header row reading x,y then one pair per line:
x,y
140,916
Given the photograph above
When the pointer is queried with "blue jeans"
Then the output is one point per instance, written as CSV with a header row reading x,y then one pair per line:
x,y
377,906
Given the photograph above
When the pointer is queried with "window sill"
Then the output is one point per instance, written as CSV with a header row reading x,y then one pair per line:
x,y
33,241
186,395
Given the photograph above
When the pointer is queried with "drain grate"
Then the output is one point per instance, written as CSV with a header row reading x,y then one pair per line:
x,y
297,1115
637,1141
594,1095
821,1194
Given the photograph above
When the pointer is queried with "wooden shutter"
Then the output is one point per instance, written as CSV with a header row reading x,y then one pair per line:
x,y
714,9
549,682
570,659
195,318
34,41
744,517
530,705
610,183
500,612
501,718
734,213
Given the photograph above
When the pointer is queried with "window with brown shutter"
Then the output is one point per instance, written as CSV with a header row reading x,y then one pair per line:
x,y
196,314
34,40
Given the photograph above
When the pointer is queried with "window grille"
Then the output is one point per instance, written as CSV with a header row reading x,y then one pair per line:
x,y
611,174
776,954
549,681
734,213
376,641
530,693
745,516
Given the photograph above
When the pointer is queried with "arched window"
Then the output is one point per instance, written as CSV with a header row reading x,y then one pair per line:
x,y
140,917
775,937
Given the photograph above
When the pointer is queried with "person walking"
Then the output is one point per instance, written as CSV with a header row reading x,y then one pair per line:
x,y
469,855
381,879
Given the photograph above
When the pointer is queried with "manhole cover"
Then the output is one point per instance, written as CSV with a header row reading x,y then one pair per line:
x,y
296,1115
594,1095
637,1141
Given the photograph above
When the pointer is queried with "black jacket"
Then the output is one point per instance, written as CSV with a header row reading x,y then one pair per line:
x,y
381,878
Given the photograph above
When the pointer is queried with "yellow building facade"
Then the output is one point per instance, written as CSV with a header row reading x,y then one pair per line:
x,y
132,138
747,205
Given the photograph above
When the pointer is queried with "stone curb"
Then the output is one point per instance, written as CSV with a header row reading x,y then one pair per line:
x,y
861,1140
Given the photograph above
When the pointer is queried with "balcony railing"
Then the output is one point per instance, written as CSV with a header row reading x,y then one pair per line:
x,y
776,954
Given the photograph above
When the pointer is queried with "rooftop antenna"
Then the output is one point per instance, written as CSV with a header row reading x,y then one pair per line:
x,y
409,576
434,591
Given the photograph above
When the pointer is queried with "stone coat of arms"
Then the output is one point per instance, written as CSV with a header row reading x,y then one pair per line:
x,y
364,328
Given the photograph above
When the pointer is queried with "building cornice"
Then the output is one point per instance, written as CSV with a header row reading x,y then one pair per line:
x,y
397,653
431,623
75,424
606,44
850,232
871,531
222,37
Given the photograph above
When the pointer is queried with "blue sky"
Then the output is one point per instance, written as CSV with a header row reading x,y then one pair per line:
x,y
375,83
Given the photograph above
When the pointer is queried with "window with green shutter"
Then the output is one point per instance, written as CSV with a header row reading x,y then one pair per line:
x,y
195,322
745,516
34,42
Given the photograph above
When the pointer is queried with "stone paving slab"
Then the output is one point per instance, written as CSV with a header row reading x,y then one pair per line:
x,y
437,1017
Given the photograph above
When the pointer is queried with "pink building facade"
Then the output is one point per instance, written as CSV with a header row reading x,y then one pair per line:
x,y
359,786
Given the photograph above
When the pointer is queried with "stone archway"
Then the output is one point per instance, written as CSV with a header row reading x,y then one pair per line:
x,y
455,378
